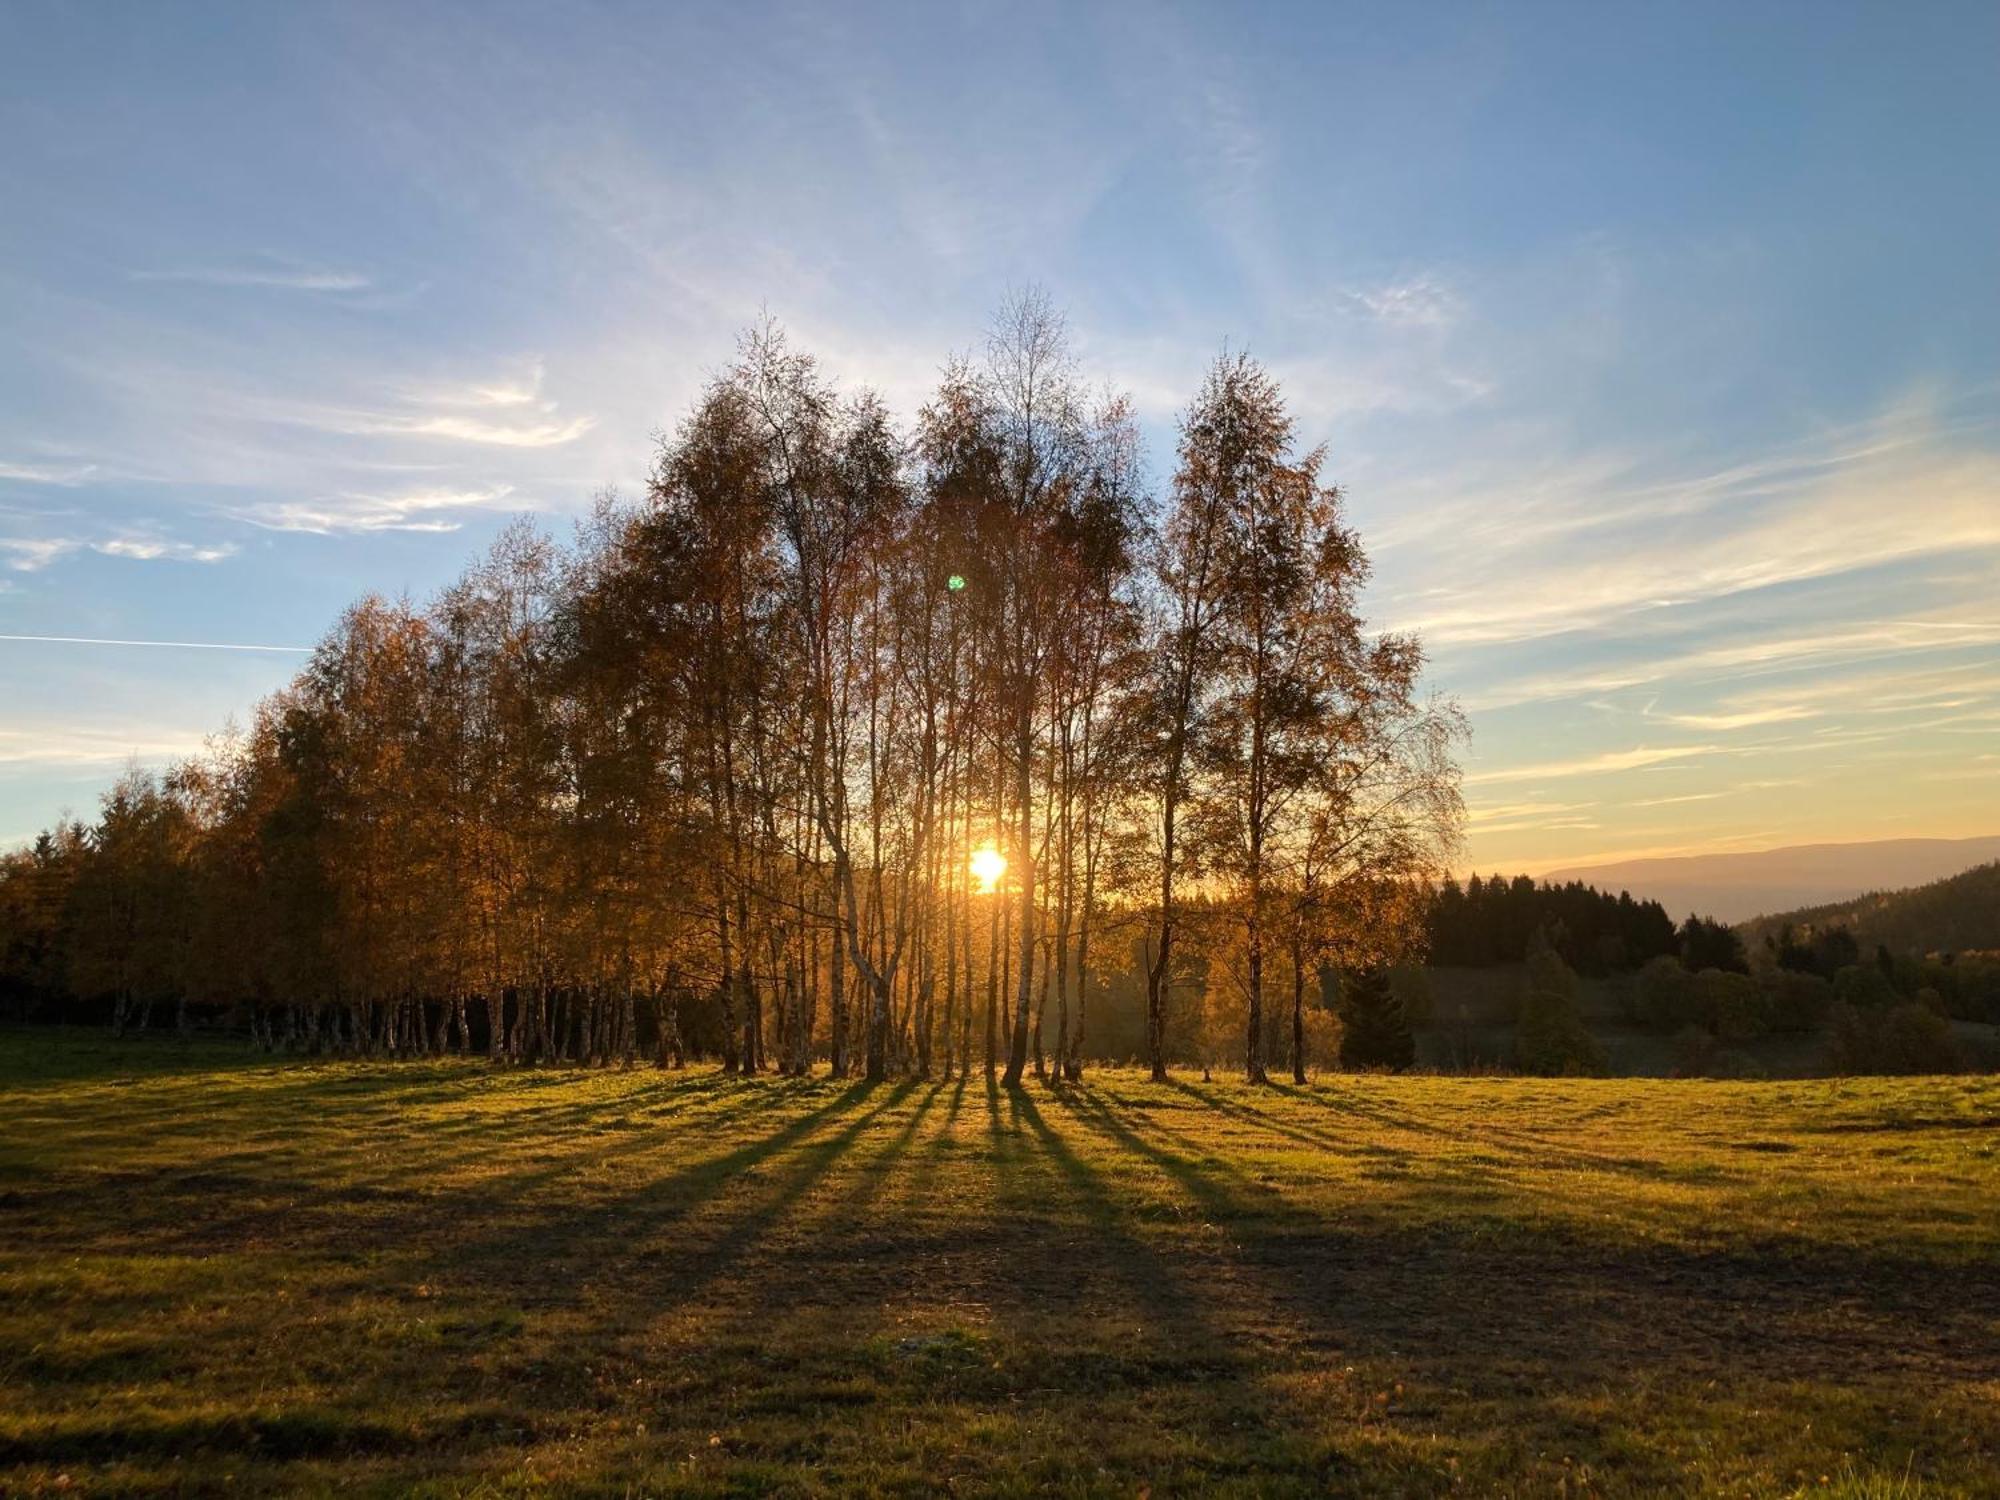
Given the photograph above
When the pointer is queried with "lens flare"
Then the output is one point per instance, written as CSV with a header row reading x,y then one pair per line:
x,y
988,865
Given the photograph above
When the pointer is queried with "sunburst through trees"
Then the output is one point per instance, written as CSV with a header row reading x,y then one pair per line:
x,y
846,742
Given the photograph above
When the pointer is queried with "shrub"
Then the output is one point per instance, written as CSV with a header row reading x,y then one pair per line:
x,y
1665,996
1550,1037
1693,1048
1919,1040
1975,988
1904,1038
1732,1005
1795,1001
1864,987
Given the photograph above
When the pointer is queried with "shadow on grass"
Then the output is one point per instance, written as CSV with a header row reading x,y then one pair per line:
x,y
1587,1308
1526,1145
1079,1250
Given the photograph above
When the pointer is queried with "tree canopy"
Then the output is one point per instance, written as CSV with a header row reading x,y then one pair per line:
x,y
713,776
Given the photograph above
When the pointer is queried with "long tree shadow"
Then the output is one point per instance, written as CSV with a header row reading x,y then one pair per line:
x,y
532,1274
871,1176
1584,1309
1305,1135
829,1256
1468,1182
1199,1179
712,1107
519,1249
213,1201
1238,1428
694,1270
1524,1144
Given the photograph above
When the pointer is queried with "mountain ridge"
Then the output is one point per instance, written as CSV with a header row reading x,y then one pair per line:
x,y
1957,914
1742,887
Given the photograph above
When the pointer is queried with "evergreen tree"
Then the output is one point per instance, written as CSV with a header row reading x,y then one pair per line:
x,y
1374,1032
1709,944
1550,1037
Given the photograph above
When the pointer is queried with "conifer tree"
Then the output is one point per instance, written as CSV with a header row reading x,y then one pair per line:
x,y
1374,1031
1550,1037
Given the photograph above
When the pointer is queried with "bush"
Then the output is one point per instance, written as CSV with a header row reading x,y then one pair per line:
x,y
1665,997
1864,987
1732,1005
1904,1038
1795,1001
1693,1049
1550,1038
1975,988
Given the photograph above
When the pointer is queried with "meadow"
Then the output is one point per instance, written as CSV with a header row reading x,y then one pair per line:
x,y
225,1273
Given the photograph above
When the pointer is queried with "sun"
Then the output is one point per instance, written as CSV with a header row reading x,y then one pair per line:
x,y
988,865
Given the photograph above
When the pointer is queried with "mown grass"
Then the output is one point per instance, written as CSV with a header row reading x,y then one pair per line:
x,y
233,1275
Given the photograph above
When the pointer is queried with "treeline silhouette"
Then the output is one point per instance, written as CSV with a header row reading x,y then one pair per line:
x,y
1494,920
1959,914
713,777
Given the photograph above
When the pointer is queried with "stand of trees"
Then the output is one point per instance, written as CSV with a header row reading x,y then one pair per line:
x,y
1496,920
711,779
1956,915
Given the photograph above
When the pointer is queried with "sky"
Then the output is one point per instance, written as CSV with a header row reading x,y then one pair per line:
x,y
1656,347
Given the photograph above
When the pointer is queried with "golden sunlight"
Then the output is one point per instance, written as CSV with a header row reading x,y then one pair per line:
x,y
988,865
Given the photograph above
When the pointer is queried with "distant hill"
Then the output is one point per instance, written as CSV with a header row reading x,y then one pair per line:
x,y
1737,887
1948,916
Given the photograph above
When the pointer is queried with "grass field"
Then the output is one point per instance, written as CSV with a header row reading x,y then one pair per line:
x,y
227,1274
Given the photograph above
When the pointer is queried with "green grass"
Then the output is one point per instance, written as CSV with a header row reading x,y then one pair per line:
x,y
225,1274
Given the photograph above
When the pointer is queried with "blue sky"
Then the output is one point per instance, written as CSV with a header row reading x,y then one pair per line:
x,y
1658,347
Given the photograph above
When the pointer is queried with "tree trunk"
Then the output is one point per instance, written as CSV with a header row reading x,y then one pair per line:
x,y
1298,1014
1024,983
1253,1061
878,1029
837,995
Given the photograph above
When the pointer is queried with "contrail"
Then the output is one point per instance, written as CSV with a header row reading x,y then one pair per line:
x,y
91,640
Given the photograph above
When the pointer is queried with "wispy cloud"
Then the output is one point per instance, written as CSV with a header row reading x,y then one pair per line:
x,y
1884,639
508,412
66,745
1745,719
1494,812
150,549
1537,825
94,640
31,554
473,430
1593,546
415,510
523,388
283,276
57,474
1593,765
1424,301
